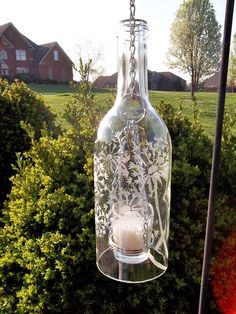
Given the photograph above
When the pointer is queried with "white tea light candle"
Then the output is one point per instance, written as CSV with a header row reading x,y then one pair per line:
x,y
128,232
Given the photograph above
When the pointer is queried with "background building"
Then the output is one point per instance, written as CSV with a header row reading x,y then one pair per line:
x,y
163,81
21,57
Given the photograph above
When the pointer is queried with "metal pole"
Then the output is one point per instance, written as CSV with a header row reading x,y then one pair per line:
x,y
216,156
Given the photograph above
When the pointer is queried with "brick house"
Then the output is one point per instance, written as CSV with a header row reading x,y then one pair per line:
x,y
165,81
107,81
21,57
162,81
212,84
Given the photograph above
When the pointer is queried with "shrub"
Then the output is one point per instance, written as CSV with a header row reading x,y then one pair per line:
x,y
18,103
25,77
46,242
83,114
47,246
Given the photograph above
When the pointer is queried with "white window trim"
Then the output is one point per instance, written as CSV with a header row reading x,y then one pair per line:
x,y
22,70
56,55
3,54
20,55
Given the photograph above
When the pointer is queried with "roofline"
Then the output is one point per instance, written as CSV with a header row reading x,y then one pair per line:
x,y
65,54
23,37
54,44
27,39
6,25
47,52
33,47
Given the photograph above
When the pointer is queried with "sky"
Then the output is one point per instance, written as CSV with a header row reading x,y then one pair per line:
x,y
91,25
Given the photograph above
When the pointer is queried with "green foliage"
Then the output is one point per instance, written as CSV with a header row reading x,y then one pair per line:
x,y
18,103
47,245
232,65
227,178
195,40
83,113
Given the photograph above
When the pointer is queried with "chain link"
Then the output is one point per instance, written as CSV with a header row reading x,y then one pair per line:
x,y
132,127
132,46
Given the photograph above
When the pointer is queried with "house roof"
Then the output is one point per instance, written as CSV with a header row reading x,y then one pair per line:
x,y
112,79
40,53
45,49
167,74
104,80
4,27
213,81
4,40
34,45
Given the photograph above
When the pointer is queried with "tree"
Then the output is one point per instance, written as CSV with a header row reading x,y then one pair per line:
x,y
195,41
232,65
84,113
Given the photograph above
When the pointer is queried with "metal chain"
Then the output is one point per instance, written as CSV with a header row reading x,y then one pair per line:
x,y
132,47
132,127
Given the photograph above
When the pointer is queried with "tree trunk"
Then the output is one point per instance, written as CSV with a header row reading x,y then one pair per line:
x,y
193,88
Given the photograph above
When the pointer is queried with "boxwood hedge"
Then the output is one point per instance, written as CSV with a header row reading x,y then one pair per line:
x,y
47,244
18,103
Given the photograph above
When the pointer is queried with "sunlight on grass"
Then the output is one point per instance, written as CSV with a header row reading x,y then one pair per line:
x,y
57,95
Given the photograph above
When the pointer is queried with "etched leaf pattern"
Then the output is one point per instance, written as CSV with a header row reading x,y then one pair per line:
x,y
112,160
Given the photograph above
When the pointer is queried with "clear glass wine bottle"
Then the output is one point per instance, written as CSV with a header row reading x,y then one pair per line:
x,y
132,173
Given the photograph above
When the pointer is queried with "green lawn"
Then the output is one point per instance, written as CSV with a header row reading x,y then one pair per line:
x,y
207,105
57,95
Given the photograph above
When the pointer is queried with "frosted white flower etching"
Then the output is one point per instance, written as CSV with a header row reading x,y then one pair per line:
x,y
123,170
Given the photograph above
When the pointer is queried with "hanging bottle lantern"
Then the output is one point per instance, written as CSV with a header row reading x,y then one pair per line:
x,y
132,165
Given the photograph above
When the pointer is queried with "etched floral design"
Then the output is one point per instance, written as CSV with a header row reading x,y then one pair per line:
x,y
128,171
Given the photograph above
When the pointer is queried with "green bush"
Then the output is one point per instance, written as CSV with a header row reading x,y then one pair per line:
x,y
18,103
47,245
83,113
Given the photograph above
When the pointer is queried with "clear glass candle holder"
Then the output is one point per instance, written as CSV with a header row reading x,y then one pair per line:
x,y
132,174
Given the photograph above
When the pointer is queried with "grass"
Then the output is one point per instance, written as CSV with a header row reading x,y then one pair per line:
x,y
206,104
57,95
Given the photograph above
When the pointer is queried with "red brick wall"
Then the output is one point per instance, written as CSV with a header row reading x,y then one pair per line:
x,y
61,70
19,43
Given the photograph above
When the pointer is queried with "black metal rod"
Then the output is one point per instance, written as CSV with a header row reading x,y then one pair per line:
x,y
216,156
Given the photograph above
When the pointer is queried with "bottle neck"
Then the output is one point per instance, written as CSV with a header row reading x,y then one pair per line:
x,y
132,72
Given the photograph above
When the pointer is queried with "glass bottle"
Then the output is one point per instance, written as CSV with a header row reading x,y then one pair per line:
x,y
132,167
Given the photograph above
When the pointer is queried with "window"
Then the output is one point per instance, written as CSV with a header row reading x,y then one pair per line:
x,y
56,55
50,74
20,70
5,69
3,55
20,55
63,75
